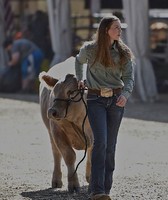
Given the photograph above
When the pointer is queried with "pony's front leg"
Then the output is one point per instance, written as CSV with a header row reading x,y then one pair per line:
x,y
57,174
70,157
88,164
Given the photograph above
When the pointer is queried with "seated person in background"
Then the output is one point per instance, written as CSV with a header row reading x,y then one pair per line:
x,y
29,56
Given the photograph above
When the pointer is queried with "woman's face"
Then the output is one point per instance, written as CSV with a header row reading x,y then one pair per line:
x,y
114,31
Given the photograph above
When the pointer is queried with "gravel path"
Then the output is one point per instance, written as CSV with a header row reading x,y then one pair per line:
x,y
26,161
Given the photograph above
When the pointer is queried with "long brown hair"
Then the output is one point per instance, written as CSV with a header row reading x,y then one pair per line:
x,y
102,41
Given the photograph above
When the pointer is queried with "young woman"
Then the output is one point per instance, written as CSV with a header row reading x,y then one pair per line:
x,y
110,80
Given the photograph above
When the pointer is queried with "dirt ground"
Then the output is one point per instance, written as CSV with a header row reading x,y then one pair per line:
x,y
26,161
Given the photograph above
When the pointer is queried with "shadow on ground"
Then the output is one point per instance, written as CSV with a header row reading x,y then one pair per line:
x,y
156,111
21,97
148,111
49,194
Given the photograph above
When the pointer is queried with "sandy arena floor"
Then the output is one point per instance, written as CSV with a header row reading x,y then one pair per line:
x,y
26,161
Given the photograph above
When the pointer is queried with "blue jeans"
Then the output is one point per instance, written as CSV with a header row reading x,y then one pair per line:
x,y
105,118
37,61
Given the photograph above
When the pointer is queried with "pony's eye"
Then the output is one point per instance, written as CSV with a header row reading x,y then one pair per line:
x,y
70,93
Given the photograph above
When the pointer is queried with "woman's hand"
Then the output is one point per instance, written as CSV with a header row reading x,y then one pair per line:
x,y
81,84
121,101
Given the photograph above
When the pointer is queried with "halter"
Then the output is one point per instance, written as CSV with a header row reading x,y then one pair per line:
x,y
69,100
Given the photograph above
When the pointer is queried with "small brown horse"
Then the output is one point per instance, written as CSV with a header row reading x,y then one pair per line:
x,y
63,113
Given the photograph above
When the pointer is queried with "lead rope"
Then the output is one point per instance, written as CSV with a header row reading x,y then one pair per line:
x,y
83,131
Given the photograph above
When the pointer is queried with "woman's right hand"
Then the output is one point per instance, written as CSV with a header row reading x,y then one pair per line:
x,y
81,84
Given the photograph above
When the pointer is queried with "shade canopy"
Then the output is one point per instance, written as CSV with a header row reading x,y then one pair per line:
x,y
2,35
60,29
118,4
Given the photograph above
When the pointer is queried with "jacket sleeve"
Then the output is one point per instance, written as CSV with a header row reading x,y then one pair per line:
x,y
128,79
81,59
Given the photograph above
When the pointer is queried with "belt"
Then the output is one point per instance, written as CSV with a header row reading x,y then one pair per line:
x,y
99,93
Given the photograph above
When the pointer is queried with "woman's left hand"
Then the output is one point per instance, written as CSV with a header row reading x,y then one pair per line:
x,y
121,101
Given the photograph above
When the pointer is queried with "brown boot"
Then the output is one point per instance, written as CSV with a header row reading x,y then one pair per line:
x,y
100,197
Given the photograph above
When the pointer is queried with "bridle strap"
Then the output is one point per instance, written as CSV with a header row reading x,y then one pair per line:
x,y
72,99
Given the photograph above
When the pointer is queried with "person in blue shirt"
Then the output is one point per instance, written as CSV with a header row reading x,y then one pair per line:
x,y
110,81
28,55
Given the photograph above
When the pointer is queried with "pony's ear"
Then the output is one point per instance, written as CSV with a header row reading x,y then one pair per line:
x,y
69,76
48,80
